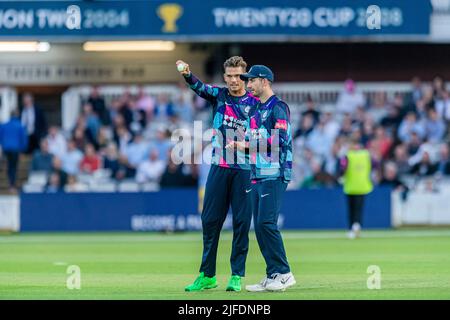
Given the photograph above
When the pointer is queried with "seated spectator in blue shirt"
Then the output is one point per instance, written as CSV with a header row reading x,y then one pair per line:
x,y
111,162
163,108
135,153
42,158
434,127
54,184
409,125
444,160
71,160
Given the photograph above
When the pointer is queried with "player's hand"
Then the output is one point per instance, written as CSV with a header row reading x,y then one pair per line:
x,y
186,71
239,145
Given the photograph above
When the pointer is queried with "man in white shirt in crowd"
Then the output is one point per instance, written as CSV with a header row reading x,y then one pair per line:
x,y
151,169
57,144
349,99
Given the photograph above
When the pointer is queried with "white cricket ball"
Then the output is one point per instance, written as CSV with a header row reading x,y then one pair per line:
x,y
181,67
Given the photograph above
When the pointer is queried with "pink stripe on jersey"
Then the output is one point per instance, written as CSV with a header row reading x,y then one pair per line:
x,y
230,112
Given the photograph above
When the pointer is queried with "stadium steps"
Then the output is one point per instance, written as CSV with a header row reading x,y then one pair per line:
x,y
22,173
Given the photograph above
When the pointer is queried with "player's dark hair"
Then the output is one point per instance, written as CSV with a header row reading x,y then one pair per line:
x,y
235,62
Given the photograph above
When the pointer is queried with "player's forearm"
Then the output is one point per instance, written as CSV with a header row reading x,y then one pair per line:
x,y
205,91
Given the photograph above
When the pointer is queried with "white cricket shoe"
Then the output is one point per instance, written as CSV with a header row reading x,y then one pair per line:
x,y
351,235
356,228
259,287
281,281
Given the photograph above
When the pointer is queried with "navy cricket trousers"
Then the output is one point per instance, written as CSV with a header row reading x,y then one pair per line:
x,y
225,187
266,204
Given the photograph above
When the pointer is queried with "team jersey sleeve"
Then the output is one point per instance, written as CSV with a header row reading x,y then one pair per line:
x,y
205,91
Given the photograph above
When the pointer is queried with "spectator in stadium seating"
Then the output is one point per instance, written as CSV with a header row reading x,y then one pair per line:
x,y
71,160
135,152
401,159
391,178
173,175
421,108
42,158
13,140
381,142
444,160
111,162
122,138
125,110
318,141
34,120
331,126
183,108
74,186
438,87
367,131
99,106
443,106
359,117
425,167
346,126
331,161
54,184
80,139
416,89
303,165
139,122
92,122
146,103
409,125
57,168
392,121
162,143
349,99
311,110
434,127
379,108
163,108
428,96
104,138
319,178
151,169
91,161
57,144
414,144
306,127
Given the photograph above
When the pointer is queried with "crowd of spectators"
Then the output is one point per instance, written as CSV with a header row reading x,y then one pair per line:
x,y
407,136
130,137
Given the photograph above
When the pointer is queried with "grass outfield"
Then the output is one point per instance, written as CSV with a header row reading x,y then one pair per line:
x,y
415,264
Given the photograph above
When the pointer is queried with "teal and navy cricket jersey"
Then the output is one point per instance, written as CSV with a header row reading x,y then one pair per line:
x,y
229,113
271,141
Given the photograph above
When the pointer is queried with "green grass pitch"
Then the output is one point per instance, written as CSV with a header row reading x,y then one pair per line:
x,y
414,264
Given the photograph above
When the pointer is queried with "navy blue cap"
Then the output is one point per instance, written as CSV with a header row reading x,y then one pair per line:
x,y
258,71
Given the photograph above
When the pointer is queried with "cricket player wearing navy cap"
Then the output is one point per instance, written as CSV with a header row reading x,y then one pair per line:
x,y
228,183
270,147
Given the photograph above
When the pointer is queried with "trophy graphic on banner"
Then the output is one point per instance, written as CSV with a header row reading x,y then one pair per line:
x,y
170,13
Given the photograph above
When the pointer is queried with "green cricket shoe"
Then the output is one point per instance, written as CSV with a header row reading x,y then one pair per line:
x,y
234,284
202,283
